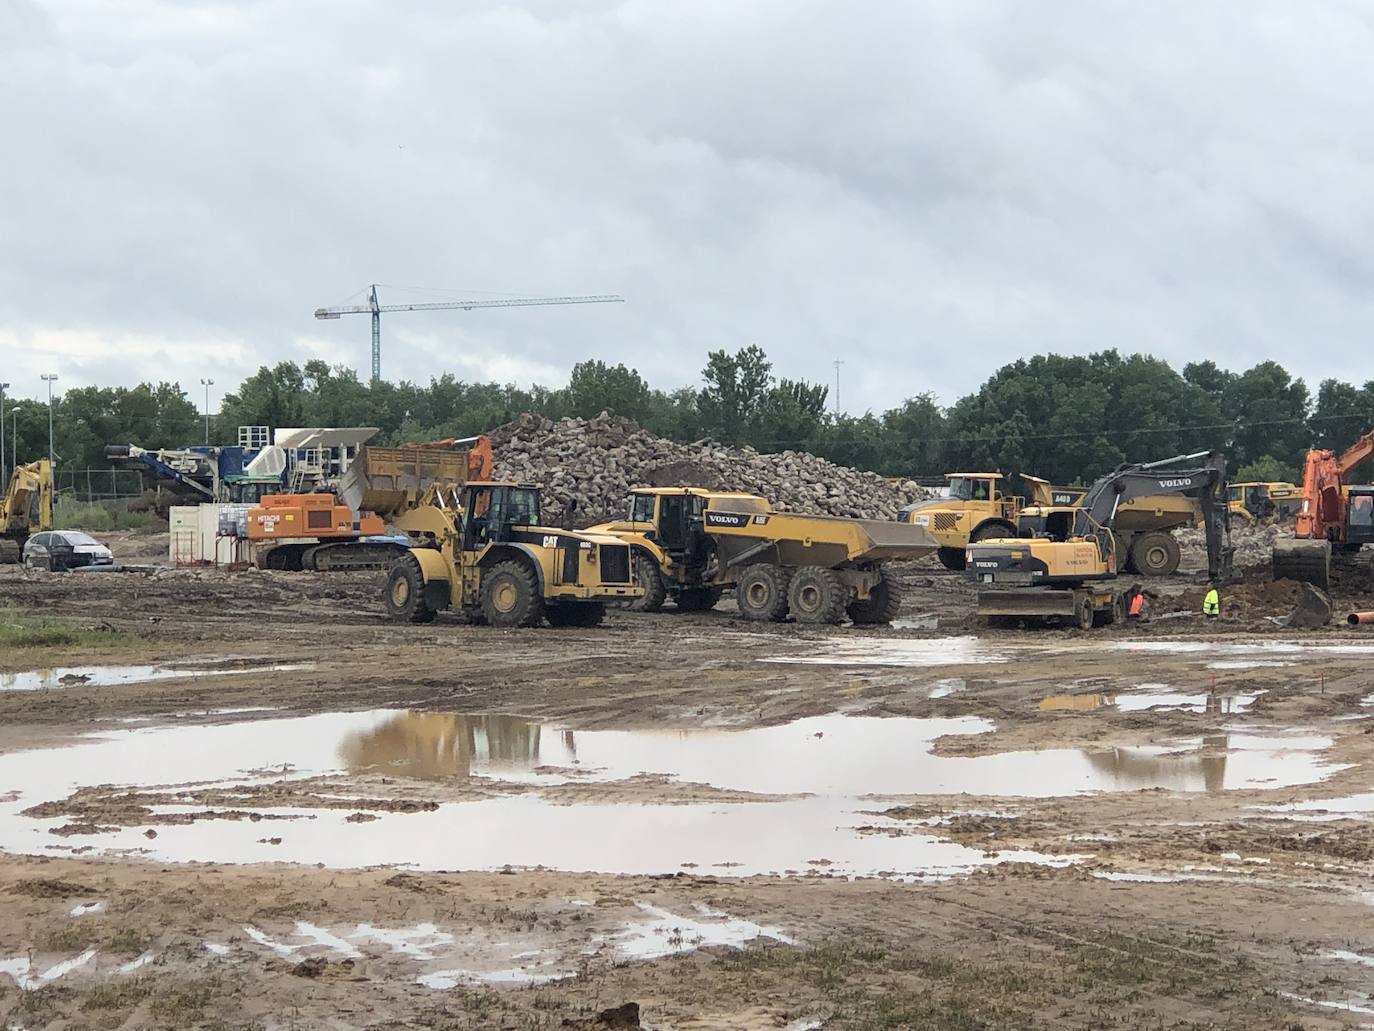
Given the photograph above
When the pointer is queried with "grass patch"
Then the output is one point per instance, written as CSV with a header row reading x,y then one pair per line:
x,y
70,514
20,629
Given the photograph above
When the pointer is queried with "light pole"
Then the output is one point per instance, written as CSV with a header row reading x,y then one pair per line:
x,y
3,480
207,384
48,378
837,363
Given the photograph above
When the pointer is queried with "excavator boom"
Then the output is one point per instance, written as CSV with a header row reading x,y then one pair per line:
x,y
25,508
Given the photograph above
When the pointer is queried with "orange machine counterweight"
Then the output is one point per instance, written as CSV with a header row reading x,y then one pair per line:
x,y
315,516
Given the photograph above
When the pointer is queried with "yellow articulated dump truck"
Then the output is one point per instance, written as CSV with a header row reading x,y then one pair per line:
x,y
480,546
25,507
691,545
979,508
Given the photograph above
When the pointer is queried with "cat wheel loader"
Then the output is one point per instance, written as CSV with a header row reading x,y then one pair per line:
x,y
695,544
1335,519
1066,567
479,545
25,507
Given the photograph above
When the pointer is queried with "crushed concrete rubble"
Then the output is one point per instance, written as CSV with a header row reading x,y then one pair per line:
x,y
593,462
1254,545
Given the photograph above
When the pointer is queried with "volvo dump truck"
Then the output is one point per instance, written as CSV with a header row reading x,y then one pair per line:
x,y
1068,567
1335,520
479,546
694,544
25,508
977,508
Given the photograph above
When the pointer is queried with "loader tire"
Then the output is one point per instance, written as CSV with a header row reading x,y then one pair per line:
x,y
697,599
815,595
510,595
651,579
1155,554
405,592
579,613
882,605
952,558
761,593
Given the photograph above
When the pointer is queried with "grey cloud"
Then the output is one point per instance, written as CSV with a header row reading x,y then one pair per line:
x,y
926,190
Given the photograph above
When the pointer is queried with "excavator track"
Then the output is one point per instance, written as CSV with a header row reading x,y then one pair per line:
x,y
10,551
348,557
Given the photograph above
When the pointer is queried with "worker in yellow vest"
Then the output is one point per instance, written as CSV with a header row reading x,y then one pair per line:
x,y
1211,604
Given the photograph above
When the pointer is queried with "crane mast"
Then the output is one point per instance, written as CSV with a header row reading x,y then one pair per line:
x,y
375,308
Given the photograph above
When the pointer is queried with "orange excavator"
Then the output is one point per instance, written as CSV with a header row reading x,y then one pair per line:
x,y
1335,520
328,532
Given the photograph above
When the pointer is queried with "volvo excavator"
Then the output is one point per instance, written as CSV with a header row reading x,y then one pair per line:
x,y
1068,567
25,508
1335,519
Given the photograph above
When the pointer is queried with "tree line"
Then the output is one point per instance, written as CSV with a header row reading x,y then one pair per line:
x,y
1068,418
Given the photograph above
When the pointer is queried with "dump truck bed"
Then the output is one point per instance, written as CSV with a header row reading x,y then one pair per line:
x,y
389,480
797,539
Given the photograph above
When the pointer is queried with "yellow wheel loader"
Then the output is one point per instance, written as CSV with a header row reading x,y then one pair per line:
x,y
813,568
480,546
1066,566
25,508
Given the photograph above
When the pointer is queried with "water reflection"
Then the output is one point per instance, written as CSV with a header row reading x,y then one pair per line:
x,y
441,746
835,756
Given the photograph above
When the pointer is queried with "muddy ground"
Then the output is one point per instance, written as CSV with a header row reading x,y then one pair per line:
x,y
314,818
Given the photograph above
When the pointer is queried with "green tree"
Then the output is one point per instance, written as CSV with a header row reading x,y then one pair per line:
x,y
595,386
1269,411
736,388
1266,469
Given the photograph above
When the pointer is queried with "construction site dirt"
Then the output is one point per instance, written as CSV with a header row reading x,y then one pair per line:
x,y
248,800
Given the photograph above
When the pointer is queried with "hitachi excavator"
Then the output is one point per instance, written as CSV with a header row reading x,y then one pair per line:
x,y
1068,567
1335,518
25,508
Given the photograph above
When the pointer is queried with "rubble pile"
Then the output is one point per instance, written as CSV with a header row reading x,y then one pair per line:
x,y
1254,545
587,465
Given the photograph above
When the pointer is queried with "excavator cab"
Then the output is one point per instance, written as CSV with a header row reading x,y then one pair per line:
x,y
1359,509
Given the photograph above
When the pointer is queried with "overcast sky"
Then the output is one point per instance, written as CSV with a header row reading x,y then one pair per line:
x,y
926,190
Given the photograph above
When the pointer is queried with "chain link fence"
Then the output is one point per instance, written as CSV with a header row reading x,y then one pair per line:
x,y
99,484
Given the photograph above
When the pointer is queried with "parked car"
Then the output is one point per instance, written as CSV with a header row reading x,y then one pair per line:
x,y
60,550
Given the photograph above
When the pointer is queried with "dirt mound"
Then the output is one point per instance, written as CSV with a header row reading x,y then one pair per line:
x,y
587,465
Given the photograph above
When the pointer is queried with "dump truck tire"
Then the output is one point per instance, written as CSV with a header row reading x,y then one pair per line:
x,y
1083,613
952,558
882,605
761,593
698,599
405,592
651,579
582,613
1303,560
510,595
815,595
1155,554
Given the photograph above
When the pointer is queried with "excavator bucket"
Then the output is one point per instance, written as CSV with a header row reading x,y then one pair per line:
x,y
1306,561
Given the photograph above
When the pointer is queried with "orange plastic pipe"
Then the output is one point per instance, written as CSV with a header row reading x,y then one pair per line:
x,y
1356,618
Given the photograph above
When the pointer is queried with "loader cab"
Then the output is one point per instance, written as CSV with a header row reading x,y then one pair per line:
x,y
492,511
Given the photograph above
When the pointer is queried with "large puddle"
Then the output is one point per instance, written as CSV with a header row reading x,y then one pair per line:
x,y
897,651
840,763
112,676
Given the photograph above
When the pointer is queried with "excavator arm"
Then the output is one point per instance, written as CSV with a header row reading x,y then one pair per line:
x,y
25,508
1201,476
1355,454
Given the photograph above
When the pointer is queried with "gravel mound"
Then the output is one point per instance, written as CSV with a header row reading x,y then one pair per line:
x,y
1253,544
587,465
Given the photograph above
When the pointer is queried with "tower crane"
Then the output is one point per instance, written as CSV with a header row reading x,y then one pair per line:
x,y
375,309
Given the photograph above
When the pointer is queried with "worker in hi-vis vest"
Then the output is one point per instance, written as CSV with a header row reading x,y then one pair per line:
x,y
1211,604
